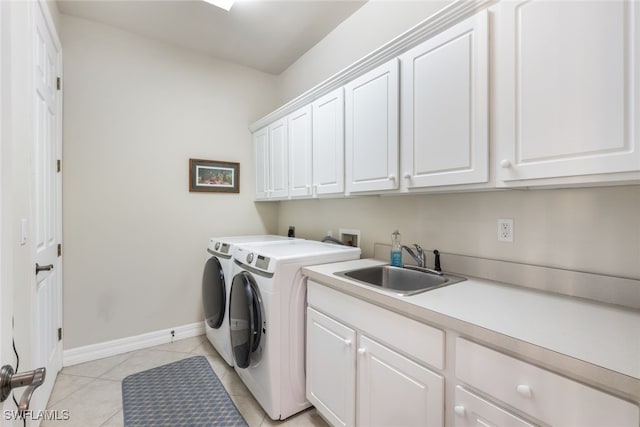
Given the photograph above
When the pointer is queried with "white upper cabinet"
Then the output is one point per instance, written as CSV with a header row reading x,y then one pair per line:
x,y
278,160
300,146
328,143
444,120
567,89
261,146
371,130
272,161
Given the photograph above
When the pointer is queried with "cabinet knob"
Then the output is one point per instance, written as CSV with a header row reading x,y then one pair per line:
x,y
347,343
524,390
505,164
407,175
362,351
392,177
459,410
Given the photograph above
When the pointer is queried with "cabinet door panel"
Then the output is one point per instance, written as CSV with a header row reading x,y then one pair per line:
x,y
328,143
544,395
470,411
261,146
393,390
371,128
445,107
300,144
331,371
278,160
567,88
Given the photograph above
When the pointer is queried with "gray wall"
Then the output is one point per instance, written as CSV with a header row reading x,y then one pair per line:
x,y
135,111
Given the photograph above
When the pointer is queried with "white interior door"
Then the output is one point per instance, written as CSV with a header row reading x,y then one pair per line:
x,y
6,294
48,206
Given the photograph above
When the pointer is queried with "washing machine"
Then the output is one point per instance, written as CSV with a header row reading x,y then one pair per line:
x,y
267,319
216,286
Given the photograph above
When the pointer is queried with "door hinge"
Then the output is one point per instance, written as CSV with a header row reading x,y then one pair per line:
x,y
59,249
59,334
58,83
59,165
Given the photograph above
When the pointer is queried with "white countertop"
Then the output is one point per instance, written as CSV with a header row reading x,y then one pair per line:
x,y
600,334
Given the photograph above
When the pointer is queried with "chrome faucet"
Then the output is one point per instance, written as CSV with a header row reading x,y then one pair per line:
x,y
418,256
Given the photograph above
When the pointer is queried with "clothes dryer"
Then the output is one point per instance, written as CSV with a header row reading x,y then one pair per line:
x,y
267,319
216,286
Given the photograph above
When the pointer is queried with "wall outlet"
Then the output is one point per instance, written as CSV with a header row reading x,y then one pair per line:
x,y
505,230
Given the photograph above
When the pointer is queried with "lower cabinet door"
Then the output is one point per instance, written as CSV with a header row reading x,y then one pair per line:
x,y
395,391
331,370
472,411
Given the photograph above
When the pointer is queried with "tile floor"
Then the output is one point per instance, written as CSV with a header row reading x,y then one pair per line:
x,y
91,391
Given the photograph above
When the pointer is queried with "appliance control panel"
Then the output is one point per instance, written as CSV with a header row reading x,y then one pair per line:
x,y
218,247
252,259
262,262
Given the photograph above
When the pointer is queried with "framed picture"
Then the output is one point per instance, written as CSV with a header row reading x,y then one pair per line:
x,y
214,176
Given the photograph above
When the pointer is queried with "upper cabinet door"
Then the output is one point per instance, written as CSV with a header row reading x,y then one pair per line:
x,y
261,146
567,88
278,160
328,143
371,128
445,107
300,145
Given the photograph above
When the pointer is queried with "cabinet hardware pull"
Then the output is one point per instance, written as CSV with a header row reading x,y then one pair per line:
x,y
407,175
362,351
459,410
505,164
347,342
524,390
392,177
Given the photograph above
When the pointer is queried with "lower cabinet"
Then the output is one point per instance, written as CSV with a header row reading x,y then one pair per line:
x,y
331,368
471,410
356,377
369,366
394,390
538,393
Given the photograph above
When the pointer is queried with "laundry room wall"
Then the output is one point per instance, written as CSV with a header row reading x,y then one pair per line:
x,y
589,229
135,111
371,26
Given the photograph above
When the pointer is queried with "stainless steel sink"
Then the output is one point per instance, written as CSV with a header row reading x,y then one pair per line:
x,y
402,281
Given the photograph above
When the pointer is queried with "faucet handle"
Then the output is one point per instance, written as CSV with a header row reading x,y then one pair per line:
x,y
421,255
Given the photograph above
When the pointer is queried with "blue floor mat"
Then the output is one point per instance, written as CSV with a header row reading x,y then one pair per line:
x,y
183,393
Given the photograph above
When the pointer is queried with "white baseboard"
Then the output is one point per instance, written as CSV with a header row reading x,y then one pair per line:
x,y
87,353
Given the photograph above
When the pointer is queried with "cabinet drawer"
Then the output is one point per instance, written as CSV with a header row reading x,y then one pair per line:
x,y
546,396
470,410
415,339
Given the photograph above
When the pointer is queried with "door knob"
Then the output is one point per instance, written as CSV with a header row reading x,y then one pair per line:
x,y
40,268
30,379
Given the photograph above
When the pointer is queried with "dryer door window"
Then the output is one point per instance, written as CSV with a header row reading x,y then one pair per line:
x,y
245,318
214,293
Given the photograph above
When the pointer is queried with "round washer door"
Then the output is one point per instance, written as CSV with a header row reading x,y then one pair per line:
x,y
214,293
245,318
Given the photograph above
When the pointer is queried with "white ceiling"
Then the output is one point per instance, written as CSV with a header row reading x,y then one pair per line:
x,y
267,35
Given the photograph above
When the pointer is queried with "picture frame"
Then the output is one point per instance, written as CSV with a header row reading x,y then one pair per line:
x,y
214,176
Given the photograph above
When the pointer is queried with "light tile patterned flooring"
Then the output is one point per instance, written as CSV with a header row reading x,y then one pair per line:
x,y
91,391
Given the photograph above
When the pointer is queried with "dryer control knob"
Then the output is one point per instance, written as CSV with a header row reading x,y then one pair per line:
x,y
249,257
217,246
